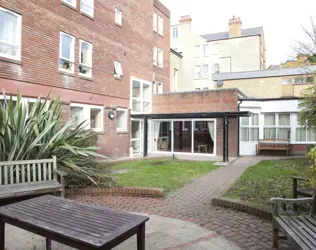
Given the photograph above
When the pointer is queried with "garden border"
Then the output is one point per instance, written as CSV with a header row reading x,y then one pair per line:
x,y
261,211
115,191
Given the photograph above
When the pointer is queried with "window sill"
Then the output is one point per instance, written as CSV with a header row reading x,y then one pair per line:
x,y
86,78
119,78
66,73
87,15
10,60
123,131
160,67
119,25
69,5
160,35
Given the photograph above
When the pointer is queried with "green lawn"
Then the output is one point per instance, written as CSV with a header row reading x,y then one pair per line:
x,y
167,174
268,179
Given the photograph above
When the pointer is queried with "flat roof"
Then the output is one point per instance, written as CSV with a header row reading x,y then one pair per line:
x,y
263,73
197,115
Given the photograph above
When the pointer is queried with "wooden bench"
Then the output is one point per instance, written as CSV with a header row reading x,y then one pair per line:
x,y
300,230
273,144
25,178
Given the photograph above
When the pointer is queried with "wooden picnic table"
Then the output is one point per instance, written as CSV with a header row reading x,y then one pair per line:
x,y
80,226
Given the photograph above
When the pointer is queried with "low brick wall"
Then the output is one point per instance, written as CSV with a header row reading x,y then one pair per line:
x,y
258,210
115,191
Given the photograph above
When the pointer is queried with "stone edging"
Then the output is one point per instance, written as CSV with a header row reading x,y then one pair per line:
x,y
116,191
258,210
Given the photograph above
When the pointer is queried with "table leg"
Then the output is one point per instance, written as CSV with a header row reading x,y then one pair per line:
x,y
48,244
2,235
141,238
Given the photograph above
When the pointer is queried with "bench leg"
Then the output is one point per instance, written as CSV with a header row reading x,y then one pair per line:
x,y
275,233
48,244
141,238
2,236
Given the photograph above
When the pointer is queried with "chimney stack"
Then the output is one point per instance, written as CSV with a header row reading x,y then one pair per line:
x,y
234,26
185,19
302,58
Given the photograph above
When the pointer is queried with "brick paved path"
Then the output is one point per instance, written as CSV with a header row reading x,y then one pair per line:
x,y
193,203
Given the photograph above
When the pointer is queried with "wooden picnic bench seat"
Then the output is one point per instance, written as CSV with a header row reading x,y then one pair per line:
x,y
31,177
300,230
273,144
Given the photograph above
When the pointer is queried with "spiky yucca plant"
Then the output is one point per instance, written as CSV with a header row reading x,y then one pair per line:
x,y
34,131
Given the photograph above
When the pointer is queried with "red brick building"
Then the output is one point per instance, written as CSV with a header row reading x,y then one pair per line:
x,y
87,52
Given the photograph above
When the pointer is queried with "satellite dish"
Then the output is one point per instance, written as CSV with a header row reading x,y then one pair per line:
x,y
220,83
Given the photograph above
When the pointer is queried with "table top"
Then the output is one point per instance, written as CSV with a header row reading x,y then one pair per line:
x,y
90,225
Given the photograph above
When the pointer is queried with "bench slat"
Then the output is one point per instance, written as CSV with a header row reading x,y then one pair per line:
x,y
6,175
39,172
28,173
49,171
17,174
34,172
23,173
45,171
11,174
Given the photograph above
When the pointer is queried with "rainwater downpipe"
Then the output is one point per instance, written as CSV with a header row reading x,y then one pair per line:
x,y
238,127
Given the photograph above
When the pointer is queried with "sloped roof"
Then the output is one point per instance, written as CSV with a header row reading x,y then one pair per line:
x,y
225,35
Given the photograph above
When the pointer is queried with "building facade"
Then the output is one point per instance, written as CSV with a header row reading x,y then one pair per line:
x,y
236,50
175,71
97,56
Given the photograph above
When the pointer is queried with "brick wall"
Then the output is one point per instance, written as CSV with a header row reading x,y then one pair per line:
x,y
131,44
204,101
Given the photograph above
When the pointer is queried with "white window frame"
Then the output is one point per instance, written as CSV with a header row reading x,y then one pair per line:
x,y
155,56
277,125
205,50
250,126
197,51
125,128
154,87
216,68
204,75
141,99
72,59
72,4
195,72
160,58
118,17
159,87
160,25
118,70
299,126
155,22
87,114
92,6
175,31
86,65
17,45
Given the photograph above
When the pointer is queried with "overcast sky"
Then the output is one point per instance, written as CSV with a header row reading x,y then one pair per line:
x,y
281,20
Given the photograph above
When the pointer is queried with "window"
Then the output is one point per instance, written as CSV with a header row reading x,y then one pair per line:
x,y
304,134
121,120
66,53
155,52
160,87
215,49
72,3
300,80
160,25
154,87
175,33
276,126
10,34
205,71
85,59
186,125
141,96
118,72
176,79
287,81
197,72
87,7
216,67
197,52
155,22
160,58
249,128
118,17
91,115
205,50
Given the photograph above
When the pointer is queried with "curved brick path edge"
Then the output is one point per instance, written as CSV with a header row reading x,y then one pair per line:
x,y
193,203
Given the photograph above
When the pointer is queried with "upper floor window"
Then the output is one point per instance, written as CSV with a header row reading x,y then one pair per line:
x,y
155,53
160,58
205,49
87,7
85,60
118,16
216,67
118,72
175,33
205,71
160,87
72,3
287,81
10,34
197,72
66,52
197,51
155,22
215,49
160,25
